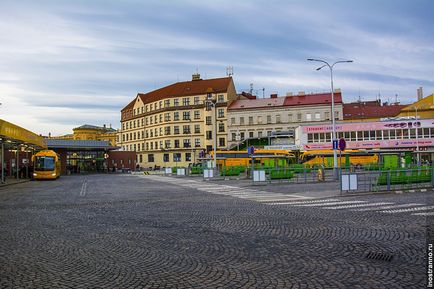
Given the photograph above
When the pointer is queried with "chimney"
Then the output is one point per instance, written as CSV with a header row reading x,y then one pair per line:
x,y
195,76
289,94
274,95
301,93
419,93
103,126
49,135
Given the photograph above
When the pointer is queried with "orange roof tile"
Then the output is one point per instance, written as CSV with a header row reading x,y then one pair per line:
x,y
186,88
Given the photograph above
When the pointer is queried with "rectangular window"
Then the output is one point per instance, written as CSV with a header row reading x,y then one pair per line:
x,y
392,134
197,142
167,144
176,129
250,120
187,143
221,142
208,134
176,115
426,133
308,116
221,127
186,129
167,116
176,144
327,115
150,158
185,101
242,136
161,117
186,115
188,157
221,98
234,136
167,130
196,114
250,134
177,157
268,118
310,138
241,120
278,118
385,134
165,158
259,134
197,128
259,119
208,120
378,135
221,113
353,136
196,100
232,120
167,103
175,102
317,116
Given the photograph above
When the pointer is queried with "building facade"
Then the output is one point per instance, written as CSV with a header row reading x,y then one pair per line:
x,y
259,118
92,132
171,125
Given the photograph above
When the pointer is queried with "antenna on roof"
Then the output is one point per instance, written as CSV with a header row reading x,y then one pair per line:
x,y
263,92
229,70
396,98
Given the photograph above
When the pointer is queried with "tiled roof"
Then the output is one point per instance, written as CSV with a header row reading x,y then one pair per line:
x,y
316,98
186,88
257,103
305,99
360,111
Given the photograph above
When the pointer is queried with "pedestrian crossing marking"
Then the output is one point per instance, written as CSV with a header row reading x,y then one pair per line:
x,y
356,206
424,214
425,208
388,207
295,200
330,204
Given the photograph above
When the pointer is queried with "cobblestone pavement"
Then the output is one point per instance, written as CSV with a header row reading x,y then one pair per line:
x,y
119,231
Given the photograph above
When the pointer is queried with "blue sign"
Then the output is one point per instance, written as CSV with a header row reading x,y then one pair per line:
x,y
250,150
335,144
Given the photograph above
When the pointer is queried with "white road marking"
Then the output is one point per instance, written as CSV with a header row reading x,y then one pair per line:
x,y
388,207
424,214
426,208
330,204
356,206
83,188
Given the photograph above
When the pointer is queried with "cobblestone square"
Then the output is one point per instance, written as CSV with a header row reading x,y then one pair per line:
x,y
122,231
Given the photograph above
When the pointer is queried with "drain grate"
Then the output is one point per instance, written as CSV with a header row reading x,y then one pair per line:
x,y
379,256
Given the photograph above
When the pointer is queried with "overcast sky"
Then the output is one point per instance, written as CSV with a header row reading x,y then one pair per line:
x,y
68,63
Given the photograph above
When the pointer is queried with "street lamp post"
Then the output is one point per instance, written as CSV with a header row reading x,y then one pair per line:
x,y
212,103
334,141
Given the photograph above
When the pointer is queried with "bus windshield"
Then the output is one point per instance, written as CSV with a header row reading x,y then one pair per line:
x,y
44,163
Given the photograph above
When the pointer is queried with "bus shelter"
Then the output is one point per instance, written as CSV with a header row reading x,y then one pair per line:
x,y
17,143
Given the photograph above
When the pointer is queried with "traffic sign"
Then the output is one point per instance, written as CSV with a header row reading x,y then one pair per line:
x,y
342,144
335,144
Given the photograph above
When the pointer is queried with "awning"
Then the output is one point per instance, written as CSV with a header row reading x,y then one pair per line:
x,y
13,135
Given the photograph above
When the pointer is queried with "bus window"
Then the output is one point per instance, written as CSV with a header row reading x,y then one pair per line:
x,y
44,163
